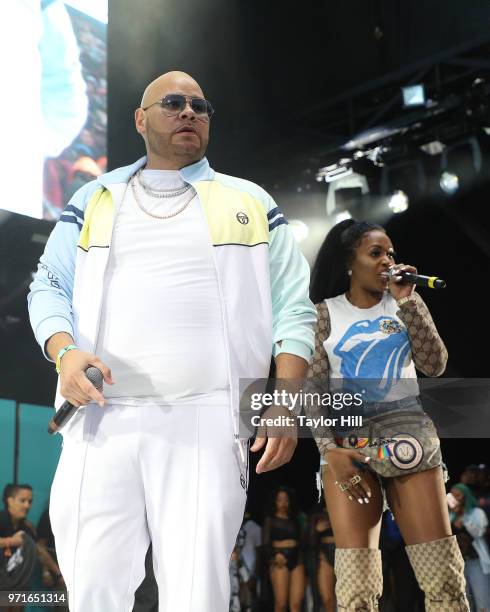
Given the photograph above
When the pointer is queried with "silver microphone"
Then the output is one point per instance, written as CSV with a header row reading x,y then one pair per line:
x,y
67,410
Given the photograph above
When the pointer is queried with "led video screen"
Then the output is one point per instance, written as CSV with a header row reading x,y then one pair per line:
x,y
53,102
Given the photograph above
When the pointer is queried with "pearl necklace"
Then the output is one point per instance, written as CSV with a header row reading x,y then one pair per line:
x,y
170,193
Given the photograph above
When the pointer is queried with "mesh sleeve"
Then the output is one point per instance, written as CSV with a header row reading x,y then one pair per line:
x,y
428,350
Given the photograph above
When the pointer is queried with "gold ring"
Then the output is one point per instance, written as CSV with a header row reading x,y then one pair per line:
x,y
344,486
355,479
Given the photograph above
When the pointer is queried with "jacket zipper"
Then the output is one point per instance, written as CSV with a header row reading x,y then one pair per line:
x,y
116,212
225,334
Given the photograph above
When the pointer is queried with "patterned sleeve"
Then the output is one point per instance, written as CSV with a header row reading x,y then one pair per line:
x,y
318,377
428,350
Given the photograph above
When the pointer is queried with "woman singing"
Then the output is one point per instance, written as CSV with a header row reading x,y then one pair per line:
x,y
372,332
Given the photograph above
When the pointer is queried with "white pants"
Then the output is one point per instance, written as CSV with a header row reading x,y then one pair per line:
x,y
128,475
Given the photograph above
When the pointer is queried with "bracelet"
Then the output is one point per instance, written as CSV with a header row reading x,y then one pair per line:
x,y
60,354
409,298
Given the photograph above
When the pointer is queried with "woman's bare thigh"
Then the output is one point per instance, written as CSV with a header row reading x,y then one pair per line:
x,y
354,525
418,503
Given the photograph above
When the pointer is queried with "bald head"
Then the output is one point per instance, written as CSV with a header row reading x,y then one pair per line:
x,y
170,82
173,139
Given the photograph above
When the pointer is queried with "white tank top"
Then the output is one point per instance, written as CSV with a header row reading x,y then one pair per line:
x,y
371,344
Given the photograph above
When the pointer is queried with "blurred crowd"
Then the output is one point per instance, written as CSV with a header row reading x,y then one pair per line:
x,y
288,563
283,560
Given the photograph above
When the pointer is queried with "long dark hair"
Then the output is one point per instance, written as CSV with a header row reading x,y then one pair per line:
x,y
329,275
271,502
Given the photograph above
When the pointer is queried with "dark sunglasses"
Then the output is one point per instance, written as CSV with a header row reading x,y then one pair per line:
x,y
172,104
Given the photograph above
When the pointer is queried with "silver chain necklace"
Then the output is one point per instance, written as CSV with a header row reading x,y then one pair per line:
x,y
161,193
140,205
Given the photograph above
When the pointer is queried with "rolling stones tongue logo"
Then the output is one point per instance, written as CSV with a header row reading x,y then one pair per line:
x,y
374,350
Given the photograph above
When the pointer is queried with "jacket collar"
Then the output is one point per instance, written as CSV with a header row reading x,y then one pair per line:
x,y
200,171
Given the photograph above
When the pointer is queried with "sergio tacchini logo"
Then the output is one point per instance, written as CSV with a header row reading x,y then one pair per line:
x,y
242,218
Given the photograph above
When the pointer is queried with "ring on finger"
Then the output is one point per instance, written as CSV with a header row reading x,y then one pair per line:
x,y
355,479
344,486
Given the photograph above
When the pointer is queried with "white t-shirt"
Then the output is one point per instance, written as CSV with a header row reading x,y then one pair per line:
x,y
371,343
161,326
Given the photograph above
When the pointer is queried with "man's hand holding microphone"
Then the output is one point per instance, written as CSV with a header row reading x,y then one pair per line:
x,y
81,377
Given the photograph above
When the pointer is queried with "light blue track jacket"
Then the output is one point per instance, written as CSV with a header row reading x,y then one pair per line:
x,y
263,278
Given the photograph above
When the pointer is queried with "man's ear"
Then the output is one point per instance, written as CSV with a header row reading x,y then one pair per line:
x,y
140,121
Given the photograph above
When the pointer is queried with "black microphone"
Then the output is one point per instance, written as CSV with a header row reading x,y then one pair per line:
x,y
433,282
67,410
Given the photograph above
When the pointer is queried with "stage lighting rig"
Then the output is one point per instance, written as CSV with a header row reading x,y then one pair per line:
x,y
335,172
414,95
349,165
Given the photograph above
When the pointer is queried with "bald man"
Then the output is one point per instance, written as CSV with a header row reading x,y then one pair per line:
x,y
175,281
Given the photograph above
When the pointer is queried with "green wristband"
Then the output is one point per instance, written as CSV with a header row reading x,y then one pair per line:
x,y
60,354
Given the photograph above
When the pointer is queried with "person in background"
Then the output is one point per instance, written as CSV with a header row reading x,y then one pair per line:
x,y
322,544
15,528
472,477
469,523
483,492
238,575
252,533
476,478
283,549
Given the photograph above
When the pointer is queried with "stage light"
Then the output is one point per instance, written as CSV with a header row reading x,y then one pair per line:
x,y
462,159
406,174
300,229
398,201
413,95
449,182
